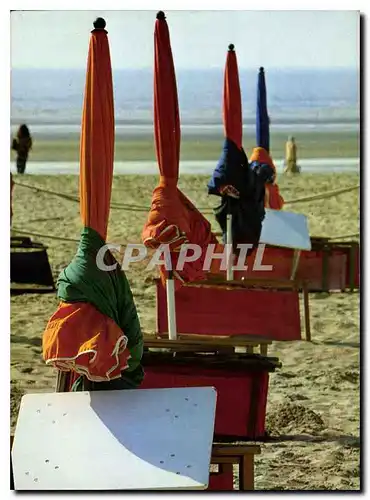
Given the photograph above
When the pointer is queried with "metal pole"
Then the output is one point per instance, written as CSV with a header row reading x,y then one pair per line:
x,y
171,305
229,243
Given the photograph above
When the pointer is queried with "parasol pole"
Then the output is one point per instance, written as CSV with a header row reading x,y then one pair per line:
x,y
171,304
229,243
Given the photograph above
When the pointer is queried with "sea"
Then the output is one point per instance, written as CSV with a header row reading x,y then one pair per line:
x,y
50,100
325,100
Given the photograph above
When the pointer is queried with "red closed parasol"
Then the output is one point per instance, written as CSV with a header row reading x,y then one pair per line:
x,y
172,219
232,101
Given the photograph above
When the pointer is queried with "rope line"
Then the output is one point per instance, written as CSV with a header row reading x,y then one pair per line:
x,y
322,196
60,238
48,191
205,210
354,235
39,235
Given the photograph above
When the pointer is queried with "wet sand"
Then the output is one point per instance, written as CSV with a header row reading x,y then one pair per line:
x,y
308,165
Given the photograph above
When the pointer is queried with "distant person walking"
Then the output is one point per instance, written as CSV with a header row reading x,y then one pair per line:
x,y
11,198
291,157
22,144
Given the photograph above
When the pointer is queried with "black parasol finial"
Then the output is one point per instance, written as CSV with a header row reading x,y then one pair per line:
x,y
231,47
99,23
161,16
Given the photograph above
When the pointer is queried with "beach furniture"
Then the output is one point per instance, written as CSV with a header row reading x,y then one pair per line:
x,y
223,459
157,439
265,303
227,311
330,265
241,380
29,266
269,310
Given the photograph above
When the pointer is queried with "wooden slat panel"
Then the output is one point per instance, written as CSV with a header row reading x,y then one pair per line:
x,y
226,449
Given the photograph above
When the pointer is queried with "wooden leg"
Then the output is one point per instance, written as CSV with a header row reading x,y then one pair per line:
x,y
61,385
296,257
246,473
325,268
306,307
263,349
352,256
222,480
12,487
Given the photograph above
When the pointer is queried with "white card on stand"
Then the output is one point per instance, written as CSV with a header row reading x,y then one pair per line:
x,y
285,229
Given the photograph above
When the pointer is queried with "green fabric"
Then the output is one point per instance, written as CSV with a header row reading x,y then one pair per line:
x,y
108,291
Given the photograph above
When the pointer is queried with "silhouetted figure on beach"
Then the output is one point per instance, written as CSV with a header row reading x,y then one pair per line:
x,y
22,144
11,198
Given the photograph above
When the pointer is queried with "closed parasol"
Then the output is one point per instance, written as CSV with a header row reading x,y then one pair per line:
x,y
260,158
241,189
95,331
173,220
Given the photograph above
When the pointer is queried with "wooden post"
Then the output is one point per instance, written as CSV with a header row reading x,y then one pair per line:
x,y
62,380
325,268
243,456
306,307
263,349
246,473
296,257
352,257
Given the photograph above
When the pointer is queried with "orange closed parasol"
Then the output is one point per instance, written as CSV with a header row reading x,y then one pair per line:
x,y
97,135
95,331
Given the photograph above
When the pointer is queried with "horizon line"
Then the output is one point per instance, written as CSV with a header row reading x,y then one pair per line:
x,y
181,68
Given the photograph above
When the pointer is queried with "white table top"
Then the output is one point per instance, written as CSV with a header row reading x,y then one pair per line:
x,y
285,229
149,439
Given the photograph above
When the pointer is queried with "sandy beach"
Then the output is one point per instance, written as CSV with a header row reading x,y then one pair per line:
x,y
313,401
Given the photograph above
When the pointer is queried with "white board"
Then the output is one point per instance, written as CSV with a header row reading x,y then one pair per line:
x,y
285,229
148,439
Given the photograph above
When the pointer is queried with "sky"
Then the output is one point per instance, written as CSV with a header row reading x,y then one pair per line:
x,y
275,39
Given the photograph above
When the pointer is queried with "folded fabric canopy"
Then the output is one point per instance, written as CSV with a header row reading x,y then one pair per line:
x,y
95,330
173,219
260,158
241,188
